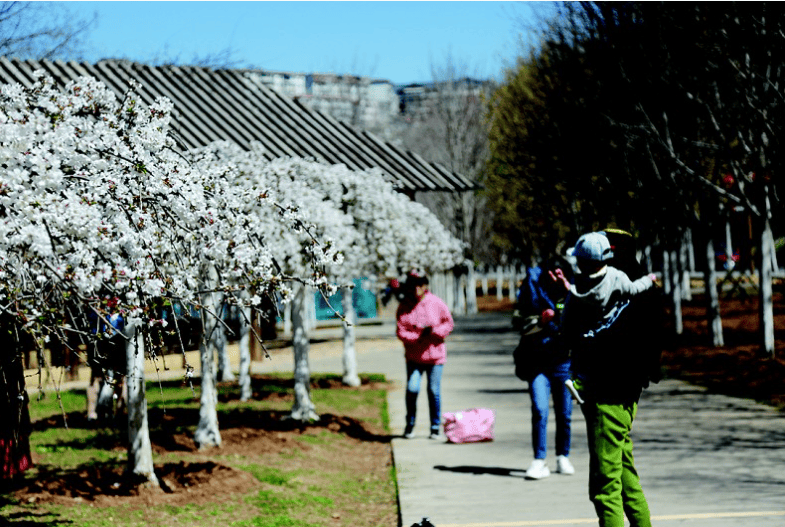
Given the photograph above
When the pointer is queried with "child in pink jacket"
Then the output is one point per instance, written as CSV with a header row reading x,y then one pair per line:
x,y
424,321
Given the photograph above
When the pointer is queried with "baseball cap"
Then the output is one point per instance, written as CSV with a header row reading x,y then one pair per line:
x,y
593,246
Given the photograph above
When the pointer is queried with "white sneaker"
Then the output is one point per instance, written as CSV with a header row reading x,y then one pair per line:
x,y
538,470
564,466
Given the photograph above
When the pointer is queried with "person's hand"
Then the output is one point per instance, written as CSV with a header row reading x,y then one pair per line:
x,y
557,276
547,316
653,278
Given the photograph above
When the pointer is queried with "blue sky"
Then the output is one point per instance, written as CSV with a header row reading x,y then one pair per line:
x,y
397,41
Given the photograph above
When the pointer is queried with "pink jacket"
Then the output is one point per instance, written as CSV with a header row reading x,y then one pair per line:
x,y
429,311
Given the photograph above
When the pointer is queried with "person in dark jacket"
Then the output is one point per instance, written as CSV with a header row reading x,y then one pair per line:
x,y
548,364
608,376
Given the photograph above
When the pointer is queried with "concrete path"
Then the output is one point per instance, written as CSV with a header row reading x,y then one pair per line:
x,y
705,460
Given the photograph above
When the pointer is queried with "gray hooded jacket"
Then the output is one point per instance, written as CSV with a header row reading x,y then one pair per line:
x,y
594,301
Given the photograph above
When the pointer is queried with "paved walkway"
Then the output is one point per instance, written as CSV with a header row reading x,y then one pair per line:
x,y
705,460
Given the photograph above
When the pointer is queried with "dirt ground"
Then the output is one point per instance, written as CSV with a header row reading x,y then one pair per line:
x,y
739,368
193,477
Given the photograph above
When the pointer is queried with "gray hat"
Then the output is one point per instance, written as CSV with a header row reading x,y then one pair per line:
x,y
594,247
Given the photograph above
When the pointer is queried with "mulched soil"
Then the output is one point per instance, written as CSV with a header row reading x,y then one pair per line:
x,y
739,368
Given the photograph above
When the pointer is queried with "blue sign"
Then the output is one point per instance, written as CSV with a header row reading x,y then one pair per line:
x,y
364,302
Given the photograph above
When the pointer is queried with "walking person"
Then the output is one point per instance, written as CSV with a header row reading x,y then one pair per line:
x,y
547,365
423,322
608,375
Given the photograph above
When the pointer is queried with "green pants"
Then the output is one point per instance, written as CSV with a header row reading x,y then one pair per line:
x,y
614,486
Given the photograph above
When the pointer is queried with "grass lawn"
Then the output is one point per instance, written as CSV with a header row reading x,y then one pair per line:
x,y
269,471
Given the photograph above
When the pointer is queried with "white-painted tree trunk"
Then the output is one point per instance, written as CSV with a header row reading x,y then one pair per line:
x,y
310,303
484,281
712,297
774,264
207,434
449,290
244,346
140,451
766,293
287,319
666,272
220,340
686,284
499,282
471,289
303,409
350,375
460,293
512,294
676,294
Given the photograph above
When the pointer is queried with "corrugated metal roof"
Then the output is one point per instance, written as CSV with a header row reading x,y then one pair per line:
x,y
211,105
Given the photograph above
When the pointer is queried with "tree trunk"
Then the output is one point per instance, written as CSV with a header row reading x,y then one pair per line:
x,y
499,282
287,319
207,433
140,451
303,409
350,376
676,293
220,341
775,266
460,290
471,289
666,272
512,293
244,346
766,300
712,297
686,283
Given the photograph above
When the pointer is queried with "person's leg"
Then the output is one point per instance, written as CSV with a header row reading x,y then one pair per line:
x,y
607,427
562,406
540,393
413,376
635,505
435,395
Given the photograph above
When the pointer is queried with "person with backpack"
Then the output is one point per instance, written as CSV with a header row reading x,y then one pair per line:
x,y
543,361
608,373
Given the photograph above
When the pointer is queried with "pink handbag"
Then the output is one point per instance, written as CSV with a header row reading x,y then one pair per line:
x,y
469,426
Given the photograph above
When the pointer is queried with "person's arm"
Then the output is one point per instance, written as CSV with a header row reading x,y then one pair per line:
x,y
445,324
632,288
407,332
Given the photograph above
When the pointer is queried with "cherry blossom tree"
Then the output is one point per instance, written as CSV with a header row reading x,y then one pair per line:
x,y
102,216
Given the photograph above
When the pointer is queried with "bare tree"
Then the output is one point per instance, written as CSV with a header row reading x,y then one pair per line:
x,y
42,30
447,125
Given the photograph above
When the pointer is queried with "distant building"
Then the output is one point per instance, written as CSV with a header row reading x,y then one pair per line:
x,y
370,104
417,101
